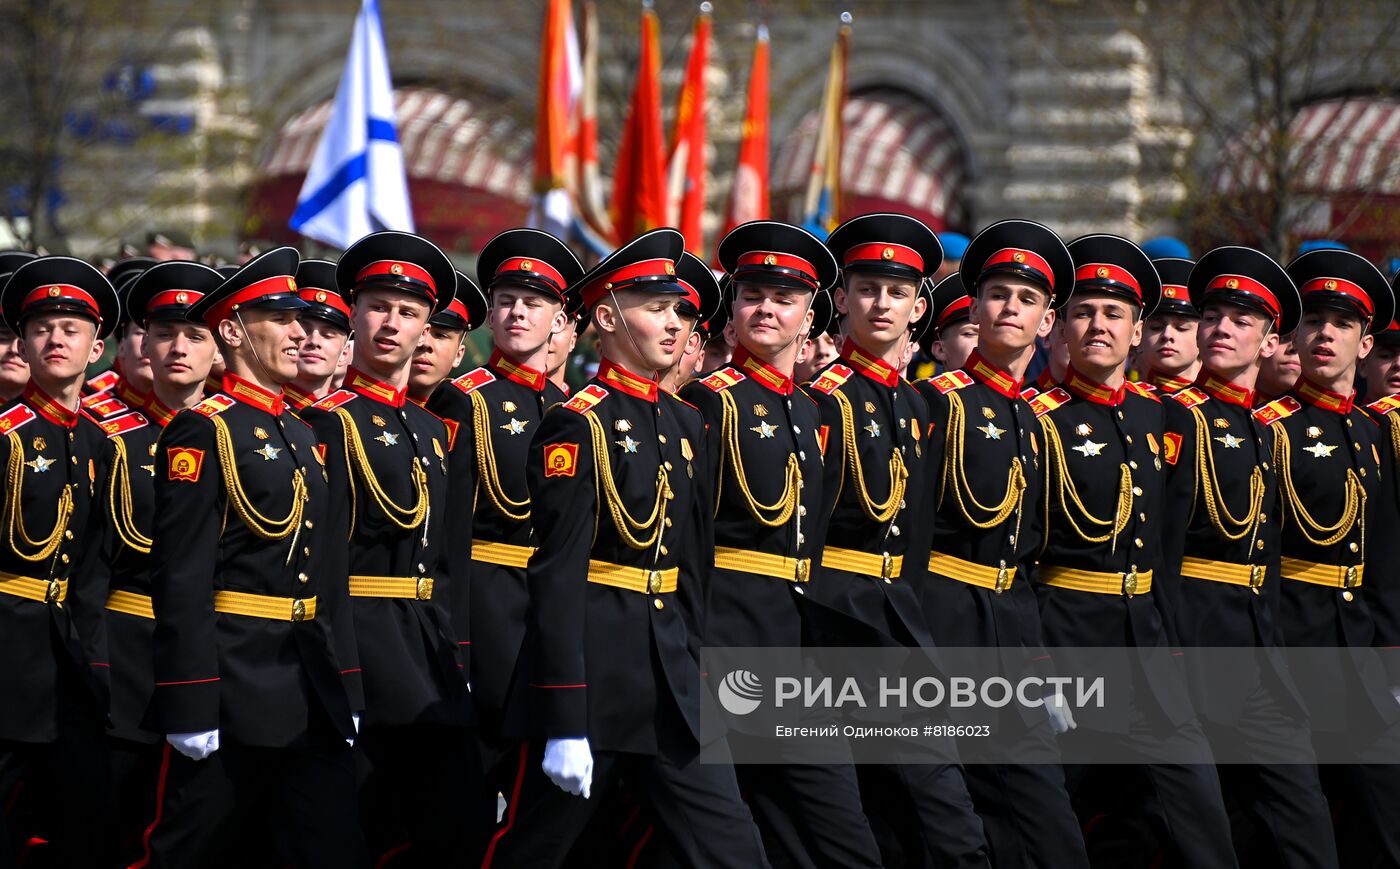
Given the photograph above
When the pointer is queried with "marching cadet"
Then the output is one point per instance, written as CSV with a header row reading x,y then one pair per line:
x,y
256,680
1329,466
1056,361
874,433
1220,555
52,582
953,336
444,345
387,461
1104,492
326,321
181,352
988,526
494,412
14,371
561,350
107,381
765,481
133,387
1278,371
1168,359
608,683
1380,370
698,304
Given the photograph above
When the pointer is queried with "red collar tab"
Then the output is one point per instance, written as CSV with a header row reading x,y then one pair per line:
x,y
1167,382
782,263
1224,390
358,381
1326,399
1175,292
1247,286
1022,259
251,394
1352,291
869,364
537,269
1045,379
47,407
956,310
329,298
1110,275
615,375
985,372
398,269
1093,391
512,370
129,395
63,294
172,298
883,253
274,286
158,412
761,371
297,398
632,273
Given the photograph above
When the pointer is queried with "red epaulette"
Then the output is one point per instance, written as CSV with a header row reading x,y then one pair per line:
x,y
722,379
1385,405
1191,396
586,399
1279,408
214,405
119,425
15,417
1029,392
473,380
1146,390
334,400
1150,387
103,382
832,378
106,405
1048,401
951,380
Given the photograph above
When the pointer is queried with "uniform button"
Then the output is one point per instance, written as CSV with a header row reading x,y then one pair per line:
x,y
67,535
664,550
71,435
63,558
1012,539
797,429
1353,547
1137,490
668,521
661,437
801,538
73,459
1258,544
303,577
1264,465
1137,541
801,511
901,503
1346,595
1348,423
1142,517
310,524
658,603
1357,445
894,529
1120,414
889,582
306,551
1132,464
1128,438
799,589
789,404
801,454
1263,520
667,465
422,569
1363,472
294,447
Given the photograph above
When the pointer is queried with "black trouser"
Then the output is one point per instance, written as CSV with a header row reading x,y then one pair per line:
x,y
66,797
212,812
696,805
420,787
500,759
135,773
1369,792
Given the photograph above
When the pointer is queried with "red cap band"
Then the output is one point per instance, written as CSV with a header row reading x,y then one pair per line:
x,y
166,298
630,273
1248,286
950,313
881,252
772,259
63,293
251,293
691,294
329,298
537,268
1028,259
1343,286
1175,291
1108,272
398,269
457,307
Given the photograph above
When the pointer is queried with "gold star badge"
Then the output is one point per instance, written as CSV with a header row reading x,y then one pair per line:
x,y
515,426
40,464
1089,449
628,445
1229,441
388,439
764,430
1319,450
508,406
268,452
992,432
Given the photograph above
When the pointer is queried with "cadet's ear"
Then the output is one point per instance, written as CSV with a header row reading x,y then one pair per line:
x,y
605,317
230,333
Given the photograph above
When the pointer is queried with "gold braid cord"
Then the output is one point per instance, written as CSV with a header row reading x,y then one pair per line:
x,y
955,475
487,475
1221,518
879,512
263,526
1394,429
627,527
785,506
119,502
1068,493
27,547
407,518
1313,531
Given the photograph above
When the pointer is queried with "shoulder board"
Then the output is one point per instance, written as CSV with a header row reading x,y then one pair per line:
x,y
120,425
473,380
1048,401
1029,392
951,380
1191,396
722,379
106,405
334,400
832,378
587,397
1385,405
12,419
103,382
1279,408
1146,390
214,405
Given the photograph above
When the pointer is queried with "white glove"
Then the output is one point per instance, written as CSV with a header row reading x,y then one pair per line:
x,y
569,764
1061,717
354,720
195,746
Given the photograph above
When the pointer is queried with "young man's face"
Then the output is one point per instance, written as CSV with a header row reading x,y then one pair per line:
x,y
1099,331
1382,371
1330,342
561,347
818,351
61,346
181,353
322,349
1010,313
1279,370
652,322
440,351
135,366
879,309
522,320
954,344
767,319
1231,337
1168,344
274,336
388,326
14,371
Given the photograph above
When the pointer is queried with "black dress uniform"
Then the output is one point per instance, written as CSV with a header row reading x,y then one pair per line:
x,y
387,460
1104,494
317,288
53,585
607,654
1220,562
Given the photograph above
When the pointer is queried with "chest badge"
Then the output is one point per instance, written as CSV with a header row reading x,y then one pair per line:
x,y
622,425
1220,422
268,452
515,426
1089,449
1229,441
686,452
760,411
764,430
870,407
1084,429
388,439
1314,431
40,464
508,406
378,420
1319,450
992,432
873,428
988,413
628,445
260,433
40,444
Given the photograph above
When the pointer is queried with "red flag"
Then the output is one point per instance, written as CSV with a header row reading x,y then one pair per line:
x,y
554,143
589,190
748,195
687,165
639,179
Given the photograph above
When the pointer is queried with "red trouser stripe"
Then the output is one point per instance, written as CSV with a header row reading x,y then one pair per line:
x,y
512,807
